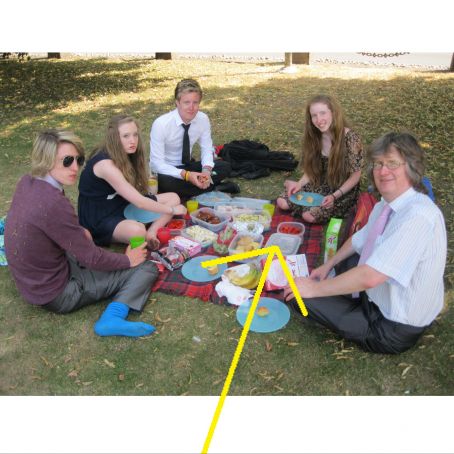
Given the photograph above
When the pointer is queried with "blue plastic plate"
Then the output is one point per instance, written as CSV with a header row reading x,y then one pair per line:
x,y
210,198
315,202
193,271
136,214
277,317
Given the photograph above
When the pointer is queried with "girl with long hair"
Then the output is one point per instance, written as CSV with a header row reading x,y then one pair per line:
x,y
115,175
331,160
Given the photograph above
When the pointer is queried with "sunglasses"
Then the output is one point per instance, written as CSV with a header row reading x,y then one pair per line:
x,y
68,161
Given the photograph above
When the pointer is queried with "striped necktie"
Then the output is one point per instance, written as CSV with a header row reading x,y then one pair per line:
x,y
375,231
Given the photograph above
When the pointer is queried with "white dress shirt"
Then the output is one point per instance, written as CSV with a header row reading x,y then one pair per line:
x,y
166,142
412,252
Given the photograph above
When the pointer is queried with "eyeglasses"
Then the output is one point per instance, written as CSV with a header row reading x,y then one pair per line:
x,y
391,165
68,161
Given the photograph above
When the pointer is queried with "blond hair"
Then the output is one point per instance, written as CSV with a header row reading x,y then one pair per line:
x,y
187,86
45,148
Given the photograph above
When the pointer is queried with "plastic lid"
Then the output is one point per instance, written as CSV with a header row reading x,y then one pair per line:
x,y
289,244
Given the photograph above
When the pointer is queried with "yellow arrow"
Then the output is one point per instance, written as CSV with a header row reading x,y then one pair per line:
x,y
271,251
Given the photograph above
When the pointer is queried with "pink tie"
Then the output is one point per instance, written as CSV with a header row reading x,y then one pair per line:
x,y
375,231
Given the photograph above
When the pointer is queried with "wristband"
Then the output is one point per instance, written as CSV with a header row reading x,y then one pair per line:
x,y
342,192
186,177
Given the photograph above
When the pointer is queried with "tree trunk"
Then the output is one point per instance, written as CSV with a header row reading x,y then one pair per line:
x,y
300,58
451,69
53,55
163,55
288,59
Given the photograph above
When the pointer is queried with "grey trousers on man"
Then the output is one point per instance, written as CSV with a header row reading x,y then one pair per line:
x,y
131,286
360,320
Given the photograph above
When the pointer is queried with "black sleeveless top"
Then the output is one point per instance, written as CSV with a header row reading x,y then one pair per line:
x,y
100,208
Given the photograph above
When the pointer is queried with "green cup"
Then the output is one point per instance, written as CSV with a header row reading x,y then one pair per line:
x,y
269,207
136,241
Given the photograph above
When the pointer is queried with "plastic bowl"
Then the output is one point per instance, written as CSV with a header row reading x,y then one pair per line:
x,y
205,243
288,244
289,228
213,227
230,208
261,216
233,245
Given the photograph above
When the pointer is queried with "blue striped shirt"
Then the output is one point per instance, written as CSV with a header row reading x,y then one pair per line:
x,y
412,252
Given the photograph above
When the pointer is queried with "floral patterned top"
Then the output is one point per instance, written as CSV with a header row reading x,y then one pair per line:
x,y
343,204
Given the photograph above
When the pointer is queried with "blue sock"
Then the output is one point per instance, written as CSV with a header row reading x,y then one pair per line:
x,y
113,323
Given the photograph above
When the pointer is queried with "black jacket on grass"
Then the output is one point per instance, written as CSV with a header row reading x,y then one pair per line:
x,y
252,160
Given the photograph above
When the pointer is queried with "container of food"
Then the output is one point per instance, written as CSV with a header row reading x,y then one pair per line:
x,y
176,226
255,204
208,218
245,242
200,234
291,228
261,216
288,244
230,208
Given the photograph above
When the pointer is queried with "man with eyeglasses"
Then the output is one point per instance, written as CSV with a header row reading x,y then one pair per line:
x,y
402,259
52,257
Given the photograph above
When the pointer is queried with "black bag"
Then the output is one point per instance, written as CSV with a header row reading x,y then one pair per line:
x,y
252,160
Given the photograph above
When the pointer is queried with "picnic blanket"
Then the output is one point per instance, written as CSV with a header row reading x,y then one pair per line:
x,y
3,261
174,283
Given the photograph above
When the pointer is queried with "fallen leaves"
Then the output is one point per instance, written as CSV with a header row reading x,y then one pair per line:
x,y
73,374
292,344
406,369
160,320
46,362
108,363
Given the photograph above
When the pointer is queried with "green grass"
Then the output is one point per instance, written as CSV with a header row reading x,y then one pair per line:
x,y
47,354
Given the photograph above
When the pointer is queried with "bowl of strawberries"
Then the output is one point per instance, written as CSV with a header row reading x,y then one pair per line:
x,y
291,228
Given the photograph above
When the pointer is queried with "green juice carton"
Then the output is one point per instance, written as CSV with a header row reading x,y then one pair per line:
x,y
332,236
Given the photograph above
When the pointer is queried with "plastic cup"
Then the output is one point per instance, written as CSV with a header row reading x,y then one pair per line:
x,y
152,186
269,207
192,205
164,235
136,241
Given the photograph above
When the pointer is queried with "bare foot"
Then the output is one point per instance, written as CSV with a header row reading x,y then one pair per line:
x,y
282,204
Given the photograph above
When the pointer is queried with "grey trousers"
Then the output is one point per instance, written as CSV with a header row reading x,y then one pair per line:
x,y
360,320
131,286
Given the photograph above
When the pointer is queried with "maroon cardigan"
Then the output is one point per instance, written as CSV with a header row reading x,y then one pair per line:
x,y
41,228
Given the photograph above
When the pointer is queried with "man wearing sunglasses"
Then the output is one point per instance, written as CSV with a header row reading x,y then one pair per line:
x,y
402,259
52,257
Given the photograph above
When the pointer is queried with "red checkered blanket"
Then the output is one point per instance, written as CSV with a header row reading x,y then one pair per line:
x,y
174,283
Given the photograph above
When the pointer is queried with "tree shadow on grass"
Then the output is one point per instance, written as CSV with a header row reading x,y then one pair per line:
x,y
46,85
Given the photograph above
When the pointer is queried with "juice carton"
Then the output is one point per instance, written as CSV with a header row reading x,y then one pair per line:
x,y
332,236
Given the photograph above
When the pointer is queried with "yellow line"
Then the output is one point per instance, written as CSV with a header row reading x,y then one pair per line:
x,y
237,354
291,282
236,357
